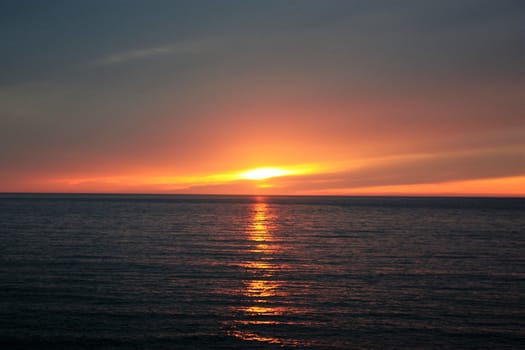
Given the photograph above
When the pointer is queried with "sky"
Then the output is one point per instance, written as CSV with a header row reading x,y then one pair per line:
x,y
263,97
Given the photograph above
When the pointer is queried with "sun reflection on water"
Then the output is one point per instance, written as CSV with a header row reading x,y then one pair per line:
x,y
261,290
258,230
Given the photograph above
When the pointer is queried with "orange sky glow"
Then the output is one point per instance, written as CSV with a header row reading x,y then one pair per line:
x,y
269,181
326,98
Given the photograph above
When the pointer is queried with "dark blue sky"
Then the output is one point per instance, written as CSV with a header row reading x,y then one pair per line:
x,y
41,39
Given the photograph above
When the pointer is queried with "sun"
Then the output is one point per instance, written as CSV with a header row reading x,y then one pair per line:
x,y
264,173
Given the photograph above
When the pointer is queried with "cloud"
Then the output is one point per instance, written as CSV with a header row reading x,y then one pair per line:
x,y
414,169
149,52
136,55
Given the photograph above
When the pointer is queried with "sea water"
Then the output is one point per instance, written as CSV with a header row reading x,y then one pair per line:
x,y
241,272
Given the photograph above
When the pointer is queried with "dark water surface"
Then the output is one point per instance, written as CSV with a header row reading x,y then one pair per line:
x,y
213,272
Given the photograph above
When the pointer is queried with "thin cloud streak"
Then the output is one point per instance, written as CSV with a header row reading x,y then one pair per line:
x,y
183,48
136,55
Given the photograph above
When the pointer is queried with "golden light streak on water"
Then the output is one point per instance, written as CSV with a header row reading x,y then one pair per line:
x,y
262,289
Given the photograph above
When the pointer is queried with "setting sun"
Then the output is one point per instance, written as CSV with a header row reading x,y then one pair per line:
x,y
264,173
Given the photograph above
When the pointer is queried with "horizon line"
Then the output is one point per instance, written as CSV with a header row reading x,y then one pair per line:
x,y
488,196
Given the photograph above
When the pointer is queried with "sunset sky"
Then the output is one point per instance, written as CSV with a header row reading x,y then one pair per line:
x,y
263,97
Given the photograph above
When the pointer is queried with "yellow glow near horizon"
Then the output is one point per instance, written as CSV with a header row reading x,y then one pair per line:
x,y
154,182
264,173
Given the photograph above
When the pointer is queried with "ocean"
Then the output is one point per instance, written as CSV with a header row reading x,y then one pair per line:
x,y
243,272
